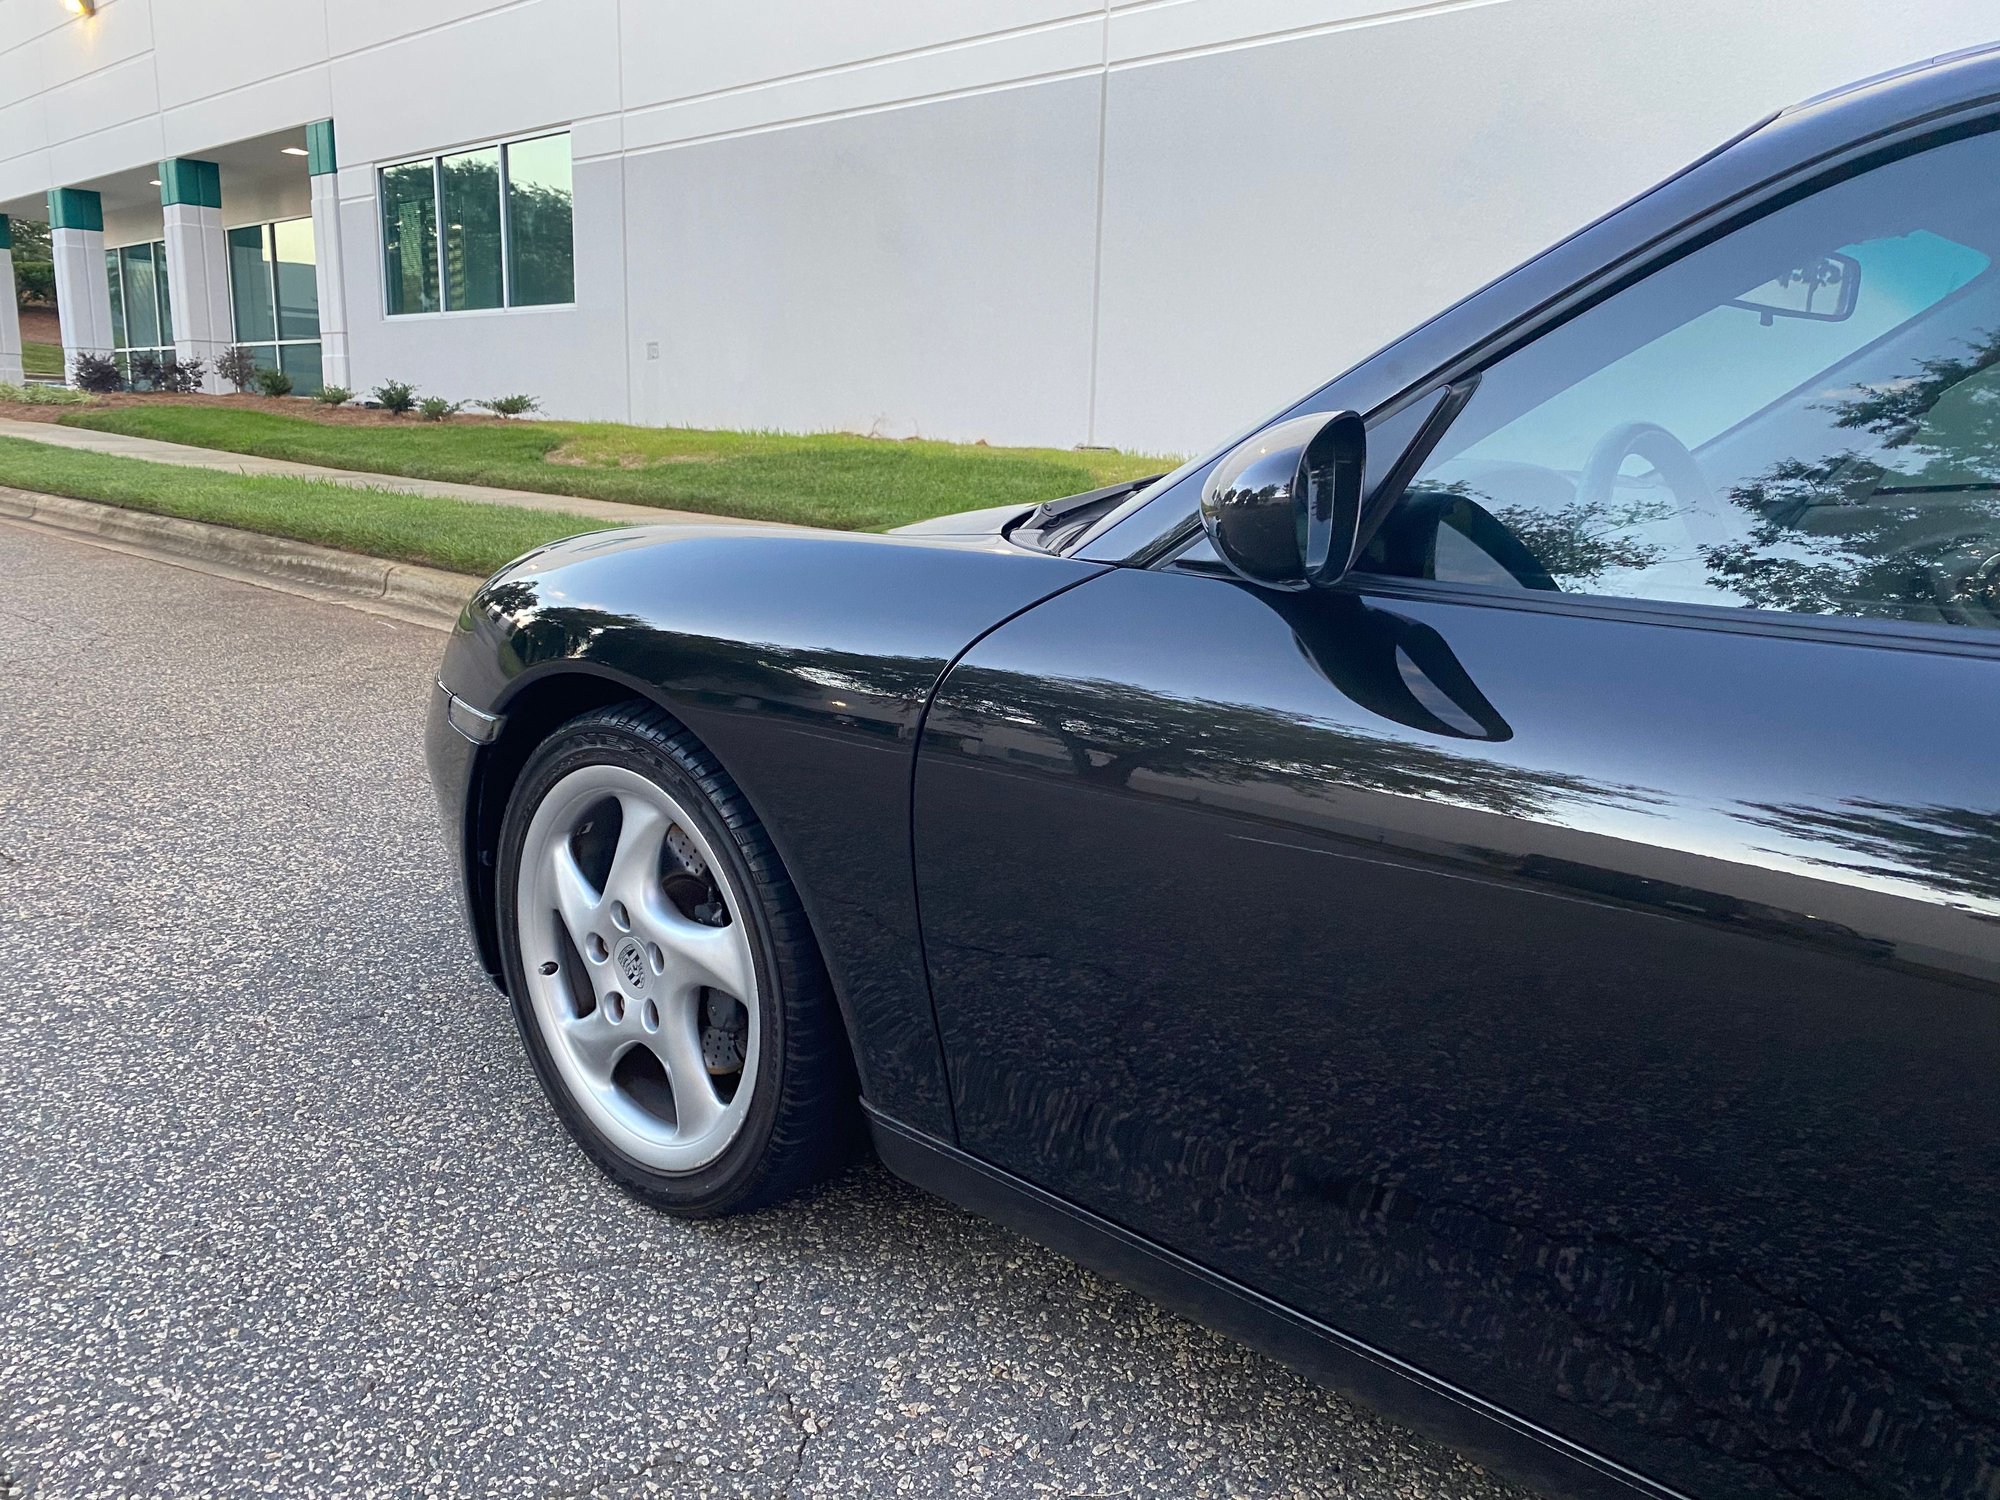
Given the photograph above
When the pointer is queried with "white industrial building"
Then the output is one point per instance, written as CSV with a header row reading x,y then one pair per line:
x,y
1135,223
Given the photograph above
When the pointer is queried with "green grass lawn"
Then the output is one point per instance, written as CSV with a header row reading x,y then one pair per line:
x,y
825,480
42,359
381,523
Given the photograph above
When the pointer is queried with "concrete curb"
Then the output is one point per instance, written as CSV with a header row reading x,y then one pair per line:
x,y
430,595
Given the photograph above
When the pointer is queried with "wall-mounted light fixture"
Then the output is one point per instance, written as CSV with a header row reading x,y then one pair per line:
x,y
295,151
80,7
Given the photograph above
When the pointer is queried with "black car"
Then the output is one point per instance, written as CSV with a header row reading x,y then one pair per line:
x,y
1488,888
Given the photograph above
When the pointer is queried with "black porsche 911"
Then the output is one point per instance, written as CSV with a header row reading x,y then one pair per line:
x,y
1488,888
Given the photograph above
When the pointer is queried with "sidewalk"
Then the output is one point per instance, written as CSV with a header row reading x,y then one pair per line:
x,y
153,451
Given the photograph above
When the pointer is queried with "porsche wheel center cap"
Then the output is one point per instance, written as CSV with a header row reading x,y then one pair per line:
x,y
632,966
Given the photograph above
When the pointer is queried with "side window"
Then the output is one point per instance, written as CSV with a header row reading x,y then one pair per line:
x,y
1803,416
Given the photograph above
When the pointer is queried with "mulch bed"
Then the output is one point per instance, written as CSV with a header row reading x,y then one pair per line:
x,y
351,415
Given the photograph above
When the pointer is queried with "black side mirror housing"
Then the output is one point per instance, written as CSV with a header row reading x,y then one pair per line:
x,y
1283,510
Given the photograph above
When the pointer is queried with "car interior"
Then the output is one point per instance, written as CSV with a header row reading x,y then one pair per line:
x,y
1803,415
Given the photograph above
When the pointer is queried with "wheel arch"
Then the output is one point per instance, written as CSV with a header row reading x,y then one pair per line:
x,y
533,708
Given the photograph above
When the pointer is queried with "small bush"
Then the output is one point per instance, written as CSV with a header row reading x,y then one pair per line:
x,y
144,371
398,398
183,376
274,382
237,366
510,406
43,395
97,373
333,395
435,408
34,282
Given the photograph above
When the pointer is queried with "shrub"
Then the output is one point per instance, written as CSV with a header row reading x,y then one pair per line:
x,y
96,372
398,398
333,395
35,282
143,370
435,408
274,382
183,376
237,366
510,406
43,395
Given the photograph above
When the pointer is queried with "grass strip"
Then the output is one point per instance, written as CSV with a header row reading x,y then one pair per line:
x,y
454,534
42,359
831,479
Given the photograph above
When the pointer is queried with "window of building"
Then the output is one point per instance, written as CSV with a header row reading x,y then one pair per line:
x,y
1797,417
142,321
274,293
479,229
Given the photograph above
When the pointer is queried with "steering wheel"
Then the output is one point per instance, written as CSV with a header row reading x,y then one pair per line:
x,y
1694,501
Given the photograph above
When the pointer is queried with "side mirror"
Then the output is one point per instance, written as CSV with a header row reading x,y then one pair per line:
x,y
1283,510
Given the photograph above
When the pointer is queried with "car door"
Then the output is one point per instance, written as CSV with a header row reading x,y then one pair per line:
x,y
1566,956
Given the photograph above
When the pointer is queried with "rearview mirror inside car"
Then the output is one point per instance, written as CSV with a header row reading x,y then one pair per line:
x,y
1283,510
1823,290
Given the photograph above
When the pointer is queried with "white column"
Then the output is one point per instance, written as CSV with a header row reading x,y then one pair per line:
x,y
83,291
330,267
197,264
10,311
198,287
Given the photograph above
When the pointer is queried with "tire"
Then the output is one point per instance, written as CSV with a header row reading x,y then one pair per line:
x,y
626,970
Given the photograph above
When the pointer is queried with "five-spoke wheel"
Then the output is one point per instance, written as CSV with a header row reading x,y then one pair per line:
x,y
662,973
640,970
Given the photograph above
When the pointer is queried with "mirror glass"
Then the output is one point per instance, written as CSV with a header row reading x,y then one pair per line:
x,y
1823,290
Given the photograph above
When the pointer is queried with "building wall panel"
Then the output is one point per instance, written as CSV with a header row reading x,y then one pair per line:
x,y
684,49
909,272
208,49
1275,212
513,69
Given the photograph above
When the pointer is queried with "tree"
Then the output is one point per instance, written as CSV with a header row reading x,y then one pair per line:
x,y
34,264
1888,531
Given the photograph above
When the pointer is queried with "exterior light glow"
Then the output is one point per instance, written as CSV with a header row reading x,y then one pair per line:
x,y
294,150
156,182
80,7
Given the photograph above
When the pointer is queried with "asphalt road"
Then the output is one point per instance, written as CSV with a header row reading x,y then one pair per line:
x,y
282,1212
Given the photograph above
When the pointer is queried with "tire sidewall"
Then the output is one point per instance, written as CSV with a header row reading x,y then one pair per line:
x,y
714,1187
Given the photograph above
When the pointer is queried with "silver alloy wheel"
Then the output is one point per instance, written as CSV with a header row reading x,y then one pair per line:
x,y
626,985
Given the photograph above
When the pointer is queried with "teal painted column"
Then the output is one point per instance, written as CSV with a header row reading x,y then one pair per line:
x,y
329,261
11,372
197,264
83,288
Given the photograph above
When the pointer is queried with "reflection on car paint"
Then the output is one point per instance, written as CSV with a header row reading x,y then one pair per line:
x,y
756,634
1554,1055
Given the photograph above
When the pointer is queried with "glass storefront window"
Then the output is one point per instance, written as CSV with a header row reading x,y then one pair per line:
x,y
542,235
118,339
250,285
274,289
409,237
142,320
142,297
472,274
296,274
480,229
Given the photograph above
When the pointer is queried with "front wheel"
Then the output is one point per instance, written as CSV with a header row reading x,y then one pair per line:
x,y
663,976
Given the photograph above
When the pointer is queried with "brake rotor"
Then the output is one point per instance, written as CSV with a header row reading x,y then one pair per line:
x,y
689,887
